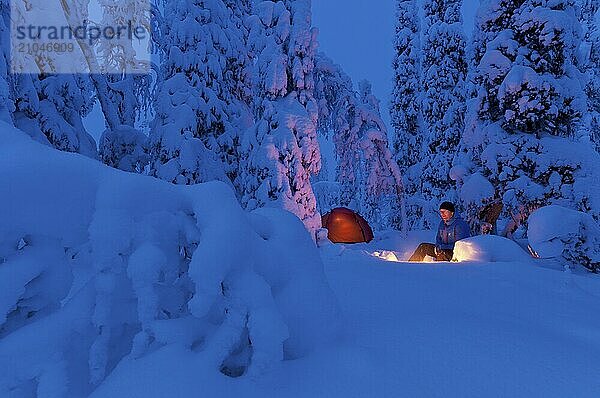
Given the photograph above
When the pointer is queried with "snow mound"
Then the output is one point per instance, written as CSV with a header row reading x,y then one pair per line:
x,y
99,266
555,231
489,248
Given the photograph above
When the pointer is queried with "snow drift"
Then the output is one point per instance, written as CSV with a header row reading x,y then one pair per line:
x,y
98,265
489,248
572,236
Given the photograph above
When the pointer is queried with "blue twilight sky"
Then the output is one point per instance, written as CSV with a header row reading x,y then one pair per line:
x,y
358,35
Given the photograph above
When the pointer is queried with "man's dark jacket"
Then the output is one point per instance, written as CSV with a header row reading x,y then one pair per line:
x,y
449,232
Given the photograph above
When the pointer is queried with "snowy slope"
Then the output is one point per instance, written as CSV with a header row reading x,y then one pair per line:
x,y
98,266
471,329
119,285
467,329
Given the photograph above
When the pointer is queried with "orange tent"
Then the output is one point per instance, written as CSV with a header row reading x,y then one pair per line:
x,y
346,226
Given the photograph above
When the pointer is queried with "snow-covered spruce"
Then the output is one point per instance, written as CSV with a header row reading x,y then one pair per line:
x,y
590,124
443,103
200,104
281,151
338,117
49,107
328,195
334,92
124,148
381,192
6,105
101,267
123,90
368,179
520,128
405,104
405,107
124,95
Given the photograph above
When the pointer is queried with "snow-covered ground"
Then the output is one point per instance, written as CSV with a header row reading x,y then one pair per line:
x,y
467,329
503,329
120,285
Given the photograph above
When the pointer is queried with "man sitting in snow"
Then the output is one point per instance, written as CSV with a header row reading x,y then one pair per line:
x,y
452,228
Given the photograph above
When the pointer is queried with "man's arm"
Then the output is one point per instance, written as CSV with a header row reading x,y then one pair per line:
x,y
462,230
438,237
439,245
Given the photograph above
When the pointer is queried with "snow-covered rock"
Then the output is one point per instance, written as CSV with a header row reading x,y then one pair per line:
x,y
489,248
556,231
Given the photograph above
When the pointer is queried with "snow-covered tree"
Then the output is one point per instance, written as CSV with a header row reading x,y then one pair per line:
x,y
367,177
281,150
198,104
381,189
334,92
51,108
340,116
127,87
124,148
443,105
405,107
591,65
337,101
405,104
521,123
62,100
6,104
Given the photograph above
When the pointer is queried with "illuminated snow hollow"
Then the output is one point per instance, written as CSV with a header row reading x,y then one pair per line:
x,y
393,257
386,255
489,248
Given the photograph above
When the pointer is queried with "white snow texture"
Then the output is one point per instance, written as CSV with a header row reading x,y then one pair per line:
x,y
98,266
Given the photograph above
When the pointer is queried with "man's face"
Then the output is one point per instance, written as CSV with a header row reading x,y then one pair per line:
x,y
446,214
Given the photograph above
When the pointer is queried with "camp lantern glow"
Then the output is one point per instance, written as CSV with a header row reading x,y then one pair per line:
x,y
392,257
386,255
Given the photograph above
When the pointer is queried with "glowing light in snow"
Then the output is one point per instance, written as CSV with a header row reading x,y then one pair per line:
x,y
465,250
428,259
386,255
391,256
533,253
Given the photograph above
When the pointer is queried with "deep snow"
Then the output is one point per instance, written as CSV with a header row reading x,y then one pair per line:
x,y
121,285
495,329
99,266
466,329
